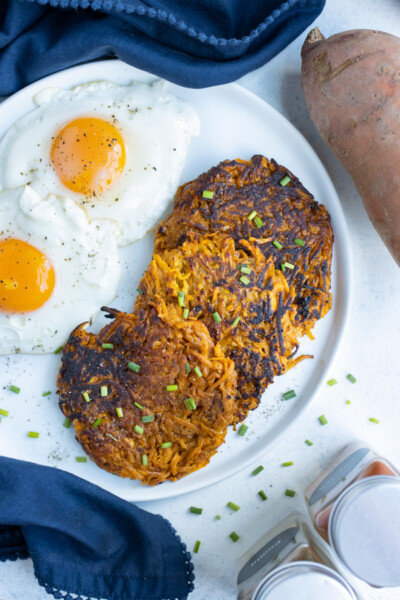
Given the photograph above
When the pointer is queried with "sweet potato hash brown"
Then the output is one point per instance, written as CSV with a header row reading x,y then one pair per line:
x,y
240,271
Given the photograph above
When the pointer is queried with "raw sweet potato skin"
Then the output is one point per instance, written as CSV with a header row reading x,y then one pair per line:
x,y
351,84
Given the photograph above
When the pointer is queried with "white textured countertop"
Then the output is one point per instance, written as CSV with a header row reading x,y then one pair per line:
x,y
370,350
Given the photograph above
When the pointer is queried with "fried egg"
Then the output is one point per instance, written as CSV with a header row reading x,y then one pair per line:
x,y
117,150
56,269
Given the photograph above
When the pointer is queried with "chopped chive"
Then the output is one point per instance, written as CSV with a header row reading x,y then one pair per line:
x,y
187,367
283,267
33,434
233,506
290,493
81,459
198,372
245,280
67,422
144,460
181,294
252,215
181,299
97,422
133,367
240,266
217,517
107,346
147,418
3,412
236,321
58,350
243,429
277,244
299,242
208,194
138,405
172,388
323,420
288,265
262,494
119,412
112,437
86,396
351,378
46,393
258,222
348,401
15,389
234,536
195,510
196,547
258,470
246,270
190,404
139,430
185,313
309,442
289,395
287,464
103,391
331,382
139,291
216,317
374,420
284,181
166,445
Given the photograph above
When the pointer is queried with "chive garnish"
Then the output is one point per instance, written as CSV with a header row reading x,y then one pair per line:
x,y
234,536
243,429
288,265
81,459
133,367
277,244
299,242
97,422
172,388
216,317
144,460
376,421
287,464
107,346
190,404
331,382
3,412
58,350
309,442
103,391
166,445
198,372
290,493
252,215
284,181
86,396
185,313
139,291
233,506
348,401
138,405
112,437
67,422
289,395
119,412
147,418
258,470
33,434
351,378
262,494
187,367
181,299
323,420
15,389
196,547
236,321
46,393
195,510
283,268
139,430
258,222
245,280
208,194
246,270
217,517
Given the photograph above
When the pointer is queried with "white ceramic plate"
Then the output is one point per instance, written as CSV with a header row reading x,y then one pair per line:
x,y
235,124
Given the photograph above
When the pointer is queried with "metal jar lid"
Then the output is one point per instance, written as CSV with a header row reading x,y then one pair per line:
x,y
364,530
303,580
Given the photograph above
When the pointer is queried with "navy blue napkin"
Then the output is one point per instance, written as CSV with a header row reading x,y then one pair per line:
x,y
194,43
86,541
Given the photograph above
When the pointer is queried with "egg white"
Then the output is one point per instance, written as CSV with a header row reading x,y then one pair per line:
x,y
156,127
84,257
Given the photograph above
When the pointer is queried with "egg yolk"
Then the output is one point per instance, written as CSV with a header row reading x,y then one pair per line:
x,y
88,155
26,277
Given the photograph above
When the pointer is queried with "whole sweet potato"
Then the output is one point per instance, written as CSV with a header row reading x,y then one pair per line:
x,y
351,83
